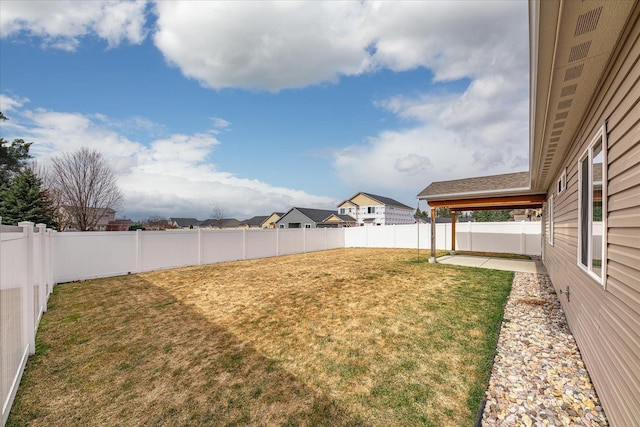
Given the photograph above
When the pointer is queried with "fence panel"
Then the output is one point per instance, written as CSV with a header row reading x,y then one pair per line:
x,y
335,238
161,249
315,239
87,255
290,241
222,245
261,243
14,349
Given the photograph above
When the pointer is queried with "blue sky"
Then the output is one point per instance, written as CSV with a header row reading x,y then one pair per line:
x,y
261,106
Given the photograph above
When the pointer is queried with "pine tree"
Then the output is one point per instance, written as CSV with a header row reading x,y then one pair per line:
x,y
26,200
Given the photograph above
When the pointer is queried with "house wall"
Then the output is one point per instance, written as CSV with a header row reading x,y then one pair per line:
x,y
271,221
295,217
605,319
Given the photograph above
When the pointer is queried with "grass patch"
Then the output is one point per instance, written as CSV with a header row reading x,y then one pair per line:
x,y
346,337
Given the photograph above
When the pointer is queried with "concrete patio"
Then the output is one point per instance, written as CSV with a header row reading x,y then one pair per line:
x,y
520,265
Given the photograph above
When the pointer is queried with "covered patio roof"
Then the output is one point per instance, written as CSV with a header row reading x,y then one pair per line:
x,y
506,191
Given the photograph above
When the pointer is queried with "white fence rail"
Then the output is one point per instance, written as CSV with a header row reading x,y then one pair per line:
x,y
31,262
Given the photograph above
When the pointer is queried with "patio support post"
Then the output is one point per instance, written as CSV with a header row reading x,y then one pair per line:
x,y
433,235
453,232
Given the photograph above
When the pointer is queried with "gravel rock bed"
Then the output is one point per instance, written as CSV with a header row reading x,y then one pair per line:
x,y
538,377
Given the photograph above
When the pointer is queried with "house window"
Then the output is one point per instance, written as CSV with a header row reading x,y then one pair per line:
x,y
592,207
341,211
562,182
307,226
371,209
550,216
280,225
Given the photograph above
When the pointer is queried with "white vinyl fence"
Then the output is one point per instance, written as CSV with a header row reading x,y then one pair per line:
x,y
502,237
87,255
31,262
26,280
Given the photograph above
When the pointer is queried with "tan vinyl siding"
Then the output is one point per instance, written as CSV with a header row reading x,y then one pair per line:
x,y
606,319
362,200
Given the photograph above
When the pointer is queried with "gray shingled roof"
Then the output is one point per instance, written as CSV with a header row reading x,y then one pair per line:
x,y
468,186
185,222
256,221
316,215
387,201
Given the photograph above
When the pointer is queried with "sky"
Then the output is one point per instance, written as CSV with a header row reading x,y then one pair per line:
x,y
257,107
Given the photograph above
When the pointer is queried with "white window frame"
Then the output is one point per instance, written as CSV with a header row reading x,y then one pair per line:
x,y
588,154
307,226
550,219
562,182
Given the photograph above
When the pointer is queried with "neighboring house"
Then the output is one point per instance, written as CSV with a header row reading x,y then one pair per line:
x,y
314,218
527,214
220,223
119,225
255,222
585,173
184,222
271,220
67,223
369,209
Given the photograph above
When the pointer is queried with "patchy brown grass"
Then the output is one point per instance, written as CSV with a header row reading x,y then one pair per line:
x,y
345,337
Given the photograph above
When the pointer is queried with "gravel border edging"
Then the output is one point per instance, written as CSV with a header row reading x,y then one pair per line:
x,y
538,377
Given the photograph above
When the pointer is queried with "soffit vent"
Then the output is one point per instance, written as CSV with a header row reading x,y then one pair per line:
x,y
569,90
588,21
556,139
565,104
562,116
573,72
558,125
579,51
556,132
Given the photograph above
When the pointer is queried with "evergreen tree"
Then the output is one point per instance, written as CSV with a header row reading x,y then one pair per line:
x,y
24,199
500,215
13,157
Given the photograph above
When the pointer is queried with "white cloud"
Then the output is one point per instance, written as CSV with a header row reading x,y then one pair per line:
x,y
262,45
174,175
480,131
8,103
61,24
296,44
220,123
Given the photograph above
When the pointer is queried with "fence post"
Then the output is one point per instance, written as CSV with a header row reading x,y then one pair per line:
x,y
138,251
43,267
199,246
522,238
53,234
28,333
277,241
244,243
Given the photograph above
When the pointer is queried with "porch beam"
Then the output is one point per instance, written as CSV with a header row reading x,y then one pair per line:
x,y
453,232
433,235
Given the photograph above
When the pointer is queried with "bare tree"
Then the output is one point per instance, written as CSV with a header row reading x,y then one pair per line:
x,y
156,222
217,214
85,187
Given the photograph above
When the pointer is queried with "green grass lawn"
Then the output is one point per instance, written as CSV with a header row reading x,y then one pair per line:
x,y
370,337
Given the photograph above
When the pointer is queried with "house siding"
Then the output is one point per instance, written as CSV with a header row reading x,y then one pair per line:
x,y
605,320
295,217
